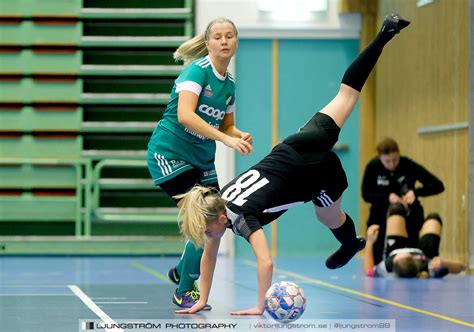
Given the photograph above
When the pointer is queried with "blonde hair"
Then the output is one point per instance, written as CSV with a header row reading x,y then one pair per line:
x,y
196,47
199,207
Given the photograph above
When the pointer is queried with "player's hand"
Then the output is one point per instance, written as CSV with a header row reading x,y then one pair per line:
x,y
252,311
435,264
373,233
394,198
238,144
195,308
247,137
409,197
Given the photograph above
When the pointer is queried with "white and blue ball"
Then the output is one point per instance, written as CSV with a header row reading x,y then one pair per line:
x,y
285,301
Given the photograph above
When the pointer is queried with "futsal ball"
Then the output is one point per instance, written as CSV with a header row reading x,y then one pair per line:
x,y
285,301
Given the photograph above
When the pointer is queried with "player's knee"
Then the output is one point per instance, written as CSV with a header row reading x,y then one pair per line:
x,y
397,209
429,244
331,216
435,216
322,213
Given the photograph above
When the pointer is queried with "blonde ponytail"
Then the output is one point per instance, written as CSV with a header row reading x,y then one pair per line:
x,y
192,49
196,47
199,206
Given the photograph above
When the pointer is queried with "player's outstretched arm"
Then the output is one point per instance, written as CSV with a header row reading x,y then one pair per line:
x,y
264,271
372,235
208,264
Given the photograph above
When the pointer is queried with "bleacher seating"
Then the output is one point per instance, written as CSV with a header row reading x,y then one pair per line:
x,y
82,85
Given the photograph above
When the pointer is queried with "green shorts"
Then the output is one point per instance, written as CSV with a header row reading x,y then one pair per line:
x,y
163,169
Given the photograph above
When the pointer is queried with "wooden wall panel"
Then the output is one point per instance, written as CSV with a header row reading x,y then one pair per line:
x,y
422,80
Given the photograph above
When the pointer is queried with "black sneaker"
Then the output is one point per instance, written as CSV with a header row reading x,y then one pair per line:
x,y
344,254
394,23
440,272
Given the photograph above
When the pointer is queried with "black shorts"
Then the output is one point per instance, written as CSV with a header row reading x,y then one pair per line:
x,y
332,180
319,134
183,182
428,243
396,242
321,168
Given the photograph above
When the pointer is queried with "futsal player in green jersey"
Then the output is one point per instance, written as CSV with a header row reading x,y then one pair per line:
x,y
200,111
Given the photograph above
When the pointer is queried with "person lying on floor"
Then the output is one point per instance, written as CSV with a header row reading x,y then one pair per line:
x,y
402,257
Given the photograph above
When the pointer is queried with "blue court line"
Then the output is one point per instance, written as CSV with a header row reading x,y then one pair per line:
x,y
372,297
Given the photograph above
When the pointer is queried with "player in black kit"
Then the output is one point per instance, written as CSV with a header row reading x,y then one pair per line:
x,y
300,169
390,179
402,257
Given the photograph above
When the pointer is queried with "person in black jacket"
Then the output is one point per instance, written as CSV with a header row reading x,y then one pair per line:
x,y
389,179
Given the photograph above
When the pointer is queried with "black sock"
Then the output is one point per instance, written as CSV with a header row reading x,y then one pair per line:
x,y
345,234
359,70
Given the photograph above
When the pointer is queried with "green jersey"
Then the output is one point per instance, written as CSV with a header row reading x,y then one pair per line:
x,y
216,99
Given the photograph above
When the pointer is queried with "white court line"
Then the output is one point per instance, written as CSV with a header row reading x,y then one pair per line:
x,y
109,298
89,303
32,286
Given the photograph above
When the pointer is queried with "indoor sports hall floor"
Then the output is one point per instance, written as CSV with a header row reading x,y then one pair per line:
x,y
52,294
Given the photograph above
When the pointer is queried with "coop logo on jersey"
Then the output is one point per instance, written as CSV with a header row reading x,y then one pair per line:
x,y
211,111
208,91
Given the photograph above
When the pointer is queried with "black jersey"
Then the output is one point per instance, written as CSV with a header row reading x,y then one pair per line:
x,y
283,179
378,182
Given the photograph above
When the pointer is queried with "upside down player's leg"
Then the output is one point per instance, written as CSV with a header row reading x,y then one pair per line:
x,y
343,229
330,182
332,117
356,75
